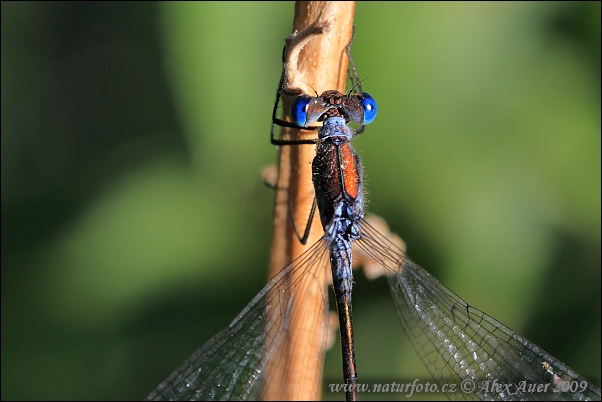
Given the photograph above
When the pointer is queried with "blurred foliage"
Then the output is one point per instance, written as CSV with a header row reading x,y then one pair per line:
x,y
135,224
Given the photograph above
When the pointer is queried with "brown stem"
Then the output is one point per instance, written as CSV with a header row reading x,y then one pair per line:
x,y
315,61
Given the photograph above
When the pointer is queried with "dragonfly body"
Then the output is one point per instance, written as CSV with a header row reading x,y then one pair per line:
x,y
337,178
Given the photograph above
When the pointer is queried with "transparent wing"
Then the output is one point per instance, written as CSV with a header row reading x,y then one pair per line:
x,y
459,343
233,364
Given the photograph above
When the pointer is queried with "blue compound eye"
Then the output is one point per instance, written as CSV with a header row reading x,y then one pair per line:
x,y
299,110
369,106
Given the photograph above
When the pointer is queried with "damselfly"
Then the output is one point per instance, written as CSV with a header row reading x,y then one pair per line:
x,y
466,351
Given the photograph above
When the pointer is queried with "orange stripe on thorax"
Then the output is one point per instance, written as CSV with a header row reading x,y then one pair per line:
x,y
349,170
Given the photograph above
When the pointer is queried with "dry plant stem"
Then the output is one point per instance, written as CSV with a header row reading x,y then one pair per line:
x,y
315,61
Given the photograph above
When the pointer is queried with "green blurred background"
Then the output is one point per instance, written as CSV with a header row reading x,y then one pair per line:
x,y
135,224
